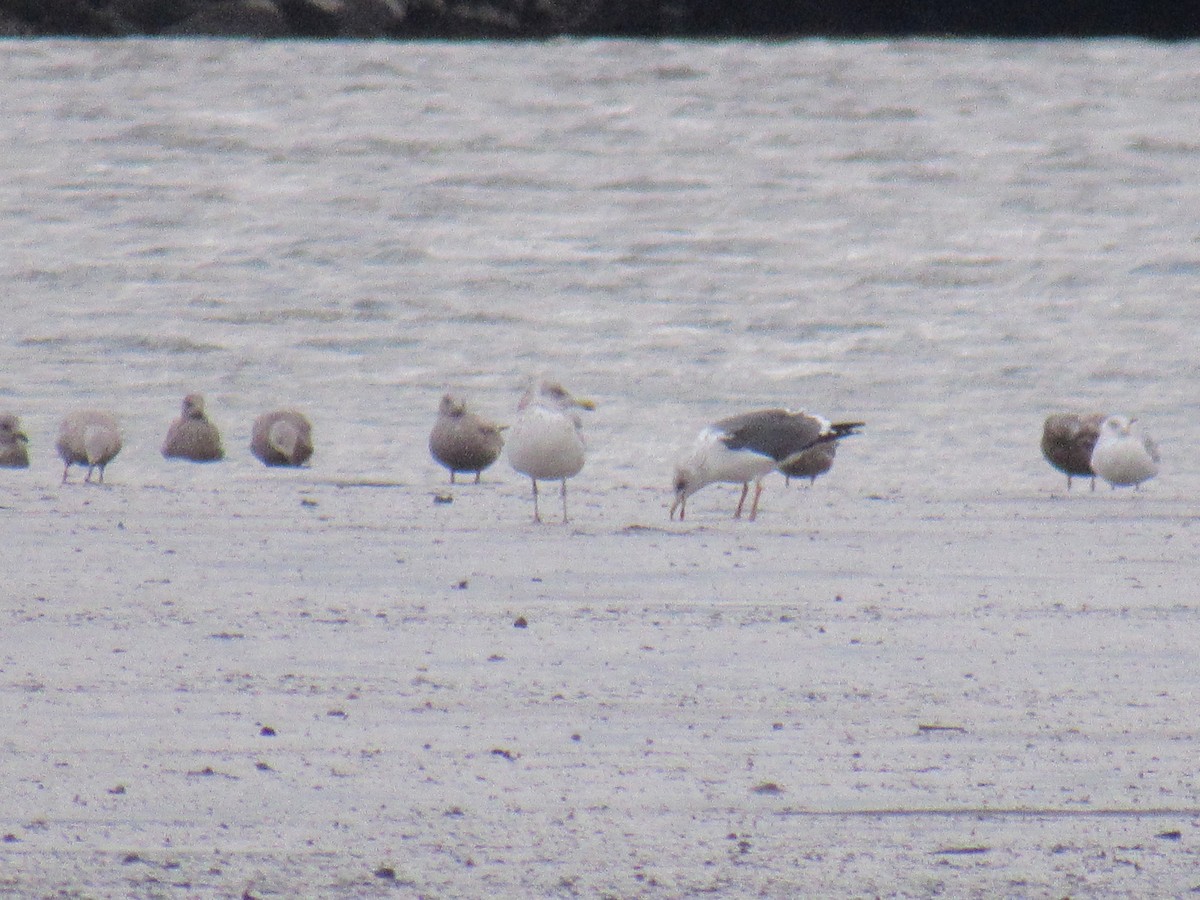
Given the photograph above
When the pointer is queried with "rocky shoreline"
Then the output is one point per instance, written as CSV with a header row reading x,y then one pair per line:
x,y
524,19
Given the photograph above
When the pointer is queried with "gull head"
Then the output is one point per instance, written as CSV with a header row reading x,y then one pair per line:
x,y
10,430
1118,426
451,406
193,406
686,483
553,394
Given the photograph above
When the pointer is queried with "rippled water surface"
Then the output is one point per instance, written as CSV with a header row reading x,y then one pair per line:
x,y
944,239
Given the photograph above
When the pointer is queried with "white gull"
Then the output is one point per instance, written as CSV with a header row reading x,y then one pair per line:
x,y
1123,455
546,440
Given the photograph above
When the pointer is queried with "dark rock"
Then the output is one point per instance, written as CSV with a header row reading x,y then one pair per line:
x,y
311,18
155,16
235,18
445,19
14,26
74,17
372,18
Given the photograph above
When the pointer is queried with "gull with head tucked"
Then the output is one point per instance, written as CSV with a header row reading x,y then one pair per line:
x,y
282,437
88,438
1067,443
1123,455
746,448
546,440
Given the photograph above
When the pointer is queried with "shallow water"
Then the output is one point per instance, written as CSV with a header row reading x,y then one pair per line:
x,y
945,239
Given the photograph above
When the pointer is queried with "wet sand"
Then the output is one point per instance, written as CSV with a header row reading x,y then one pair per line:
x,y
221,680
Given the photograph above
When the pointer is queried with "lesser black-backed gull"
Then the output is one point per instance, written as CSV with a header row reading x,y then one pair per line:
x,y
747,447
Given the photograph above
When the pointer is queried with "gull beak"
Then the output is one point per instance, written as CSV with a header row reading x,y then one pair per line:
x,y
584,403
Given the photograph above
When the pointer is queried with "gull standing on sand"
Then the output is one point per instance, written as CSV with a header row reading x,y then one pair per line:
x,y
546,440
817,459
748,447
13,443
88,438
1123,455
463,441
192,436
282,437
1067,443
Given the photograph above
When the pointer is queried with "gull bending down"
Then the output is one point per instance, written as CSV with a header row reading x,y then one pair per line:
x,y
746,448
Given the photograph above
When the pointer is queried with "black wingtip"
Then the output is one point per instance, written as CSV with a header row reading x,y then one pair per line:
x,y
845,429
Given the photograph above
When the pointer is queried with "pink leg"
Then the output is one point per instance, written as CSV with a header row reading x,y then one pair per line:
x,y
758,486
536,515
741,500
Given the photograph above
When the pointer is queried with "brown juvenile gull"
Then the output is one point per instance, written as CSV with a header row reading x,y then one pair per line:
x,y
748,447
816,460
13,443
192,436
88,438
1067,443
282,437
1123,455
546,440
463,441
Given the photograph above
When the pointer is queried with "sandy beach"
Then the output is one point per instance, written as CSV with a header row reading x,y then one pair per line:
x,y
292,687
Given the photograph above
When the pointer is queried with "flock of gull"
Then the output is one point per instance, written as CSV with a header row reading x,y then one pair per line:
x,y
92,438
1095,444
545,443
